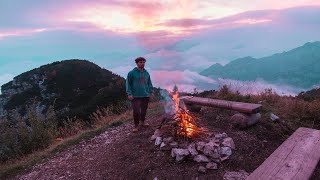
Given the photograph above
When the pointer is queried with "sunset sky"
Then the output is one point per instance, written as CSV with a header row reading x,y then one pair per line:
x,y
179,38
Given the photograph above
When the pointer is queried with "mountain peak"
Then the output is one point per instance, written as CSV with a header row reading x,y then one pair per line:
x,y
310,44
76,87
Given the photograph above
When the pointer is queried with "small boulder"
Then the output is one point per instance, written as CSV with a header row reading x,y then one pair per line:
x,y
158,141
153,137
179,154
157,133
239,120
192,149
226,151
212,165
202,169
274,117
201,158
209,148
229,143
200,146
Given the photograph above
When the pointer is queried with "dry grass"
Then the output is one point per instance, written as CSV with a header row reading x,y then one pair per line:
x,y
293,112
103,119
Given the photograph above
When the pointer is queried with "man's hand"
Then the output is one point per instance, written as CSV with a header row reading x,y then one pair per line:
x,y
130,97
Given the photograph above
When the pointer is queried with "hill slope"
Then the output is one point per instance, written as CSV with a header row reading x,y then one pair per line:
x,y
74,87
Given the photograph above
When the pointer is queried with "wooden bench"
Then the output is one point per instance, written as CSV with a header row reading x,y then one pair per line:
x,y
296,158
248,112
248,108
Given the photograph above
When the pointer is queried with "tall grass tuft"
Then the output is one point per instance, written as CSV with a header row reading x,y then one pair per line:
x,y
110,114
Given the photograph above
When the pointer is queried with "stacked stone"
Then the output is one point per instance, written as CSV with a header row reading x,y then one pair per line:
x,y
213,150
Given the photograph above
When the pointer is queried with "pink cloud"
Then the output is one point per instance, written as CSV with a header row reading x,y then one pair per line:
x,y
156,39
20,32
248,18
252,21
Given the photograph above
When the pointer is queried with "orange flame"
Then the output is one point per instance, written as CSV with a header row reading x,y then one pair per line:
x,y
185,120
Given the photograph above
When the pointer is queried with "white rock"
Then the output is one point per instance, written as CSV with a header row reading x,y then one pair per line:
x,y
202,169
153,137
214,155
157,133
162,145
226,151
222,135
216,142
224,158
229,143
208,148
180,158
201,158
200,146
274,117
180,154
212,165
158,141
192,149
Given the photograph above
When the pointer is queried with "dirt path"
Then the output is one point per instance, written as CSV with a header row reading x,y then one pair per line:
x,y
120,154
116,154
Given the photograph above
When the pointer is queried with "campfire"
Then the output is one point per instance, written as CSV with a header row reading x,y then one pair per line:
x,y
180,133
186,123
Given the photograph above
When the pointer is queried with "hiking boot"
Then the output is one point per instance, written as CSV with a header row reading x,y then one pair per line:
x,y
135,130
144,124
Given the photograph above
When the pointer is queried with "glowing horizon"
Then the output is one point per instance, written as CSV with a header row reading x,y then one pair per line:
x,y
151,16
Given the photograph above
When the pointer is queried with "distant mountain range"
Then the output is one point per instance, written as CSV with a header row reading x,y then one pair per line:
x,y
299,67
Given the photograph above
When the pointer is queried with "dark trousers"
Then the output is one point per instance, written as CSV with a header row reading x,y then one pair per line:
x,y
139,106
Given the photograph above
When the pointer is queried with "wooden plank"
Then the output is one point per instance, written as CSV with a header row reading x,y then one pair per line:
x,y
296,158
237,106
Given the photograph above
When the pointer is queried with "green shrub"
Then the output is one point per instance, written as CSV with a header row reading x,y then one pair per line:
x,y
20,136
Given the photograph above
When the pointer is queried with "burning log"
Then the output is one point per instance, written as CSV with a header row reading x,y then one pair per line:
x,y
187,126
179,120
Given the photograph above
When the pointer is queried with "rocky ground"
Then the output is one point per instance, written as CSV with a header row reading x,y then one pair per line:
x,y
120,154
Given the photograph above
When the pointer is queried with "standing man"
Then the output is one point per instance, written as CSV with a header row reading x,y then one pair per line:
x,y
139,89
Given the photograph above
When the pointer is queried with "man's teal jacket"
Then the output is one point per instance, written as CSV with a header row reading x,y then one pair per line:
x,y
138,83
